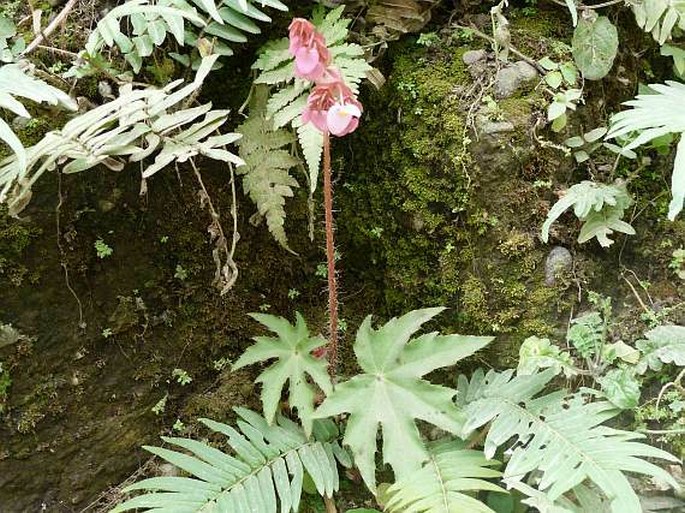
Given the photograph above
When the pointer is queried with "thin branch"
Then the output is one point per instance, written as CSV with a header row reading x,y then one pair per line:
x,y
330,258
59,19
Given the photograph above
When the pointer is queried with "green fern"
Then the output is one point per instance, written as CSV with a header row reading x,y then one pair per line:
x,y
276,67
131,128
659,17
267,469
600,207
391,393
561,438
14,82
660,112
444,483
265,175
292,349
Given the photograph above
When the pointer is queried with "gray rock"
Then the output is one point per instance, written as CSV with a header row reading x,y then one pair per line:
x,y
473,56
559,262
495,127
20,122
508,80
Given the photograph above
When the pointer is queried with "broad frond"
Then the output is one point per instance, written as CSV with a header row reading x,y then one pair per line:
x,y
654,115
560,437
266,177
263,474
292,349
391,393
660,18
445,482
663,345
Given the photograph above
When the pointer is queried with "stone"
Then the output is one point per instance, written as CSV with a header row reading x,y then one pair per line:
x,y
495,127
510,79
473,56
559,262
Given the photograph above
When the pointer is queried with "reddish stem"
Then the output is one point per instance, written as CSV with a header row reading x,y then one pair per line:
x,y
330,258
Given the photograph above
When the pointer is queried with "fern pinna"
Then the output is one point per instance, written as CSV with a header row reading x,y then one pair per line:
x,y
265,474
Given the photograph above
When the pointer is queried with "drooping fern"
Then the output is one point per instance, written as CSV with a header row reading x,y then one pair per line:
x,y
227,23
561,438
266,179
600,207
14,82
659,17
276,68
133,127
292,349
653,115
264,473
445,482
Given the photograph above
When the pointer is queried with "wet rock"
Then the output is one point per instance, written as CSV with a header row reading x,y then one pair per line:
x,y
512,78
495,127
473,56
558,263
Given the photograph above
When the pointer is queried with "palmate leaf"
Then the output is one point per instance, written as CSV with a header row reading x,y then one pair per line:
x,y
559,437
266,469
652,116
390,392
292,349
445,482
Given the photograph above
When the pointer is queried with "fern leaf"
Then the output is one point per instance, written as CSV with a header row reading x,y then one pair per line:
x,y
659,18
266,470
391,393
600,207
445,482
311,142
272,55
265,175
654,115
294,363
562,438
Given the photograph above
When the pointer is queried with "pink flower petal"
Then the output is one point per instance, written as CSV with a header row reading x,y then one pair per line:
x,y
342,119
306,61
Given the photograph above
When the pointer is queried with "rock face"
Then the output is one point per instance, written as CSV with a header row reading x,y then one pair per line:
x,y
559,262
473,56
514,77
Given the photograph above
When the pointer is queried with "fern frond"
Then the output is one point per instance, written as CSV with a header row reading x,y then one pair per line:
x,y
652,116
265,175
265,471
445,482
129,128
292,350
14,82
599,206
659,18
311,142
562,438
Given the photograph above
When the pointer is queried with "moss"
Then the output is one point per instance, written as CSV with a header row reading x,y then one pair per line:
x,y
433,218
15,238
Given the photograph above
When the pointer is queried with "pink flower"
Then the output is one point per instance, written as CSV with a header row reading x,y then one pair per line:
x,y
308,46
332,107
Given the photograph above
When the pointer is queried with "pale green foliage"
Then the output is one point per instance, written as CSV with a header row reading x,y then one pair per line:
x,y
660,17
601,208
131,128
562,438
390,392
276,67
595,45
655,115
266,471
582,499
14,82
445,482
586,334
621,387
663,345
539,353
292,349
266,179
231,21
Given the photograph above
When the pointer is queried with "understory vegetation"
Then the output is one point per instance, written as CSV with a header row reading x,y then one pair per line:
x,y
380,256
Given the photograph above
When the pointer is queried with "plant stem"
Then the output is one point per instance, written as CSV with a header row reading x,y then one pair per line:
x,y
330,258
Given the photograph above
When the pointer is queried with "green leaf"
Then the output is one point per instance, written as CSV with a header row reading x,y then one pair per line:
x,y
595,45
445,483
292,349
391,394
663,345
539,353
621,388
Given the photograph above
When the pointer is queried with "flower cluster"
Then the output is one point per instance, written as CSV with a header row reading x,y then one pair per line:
x,y
331,106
